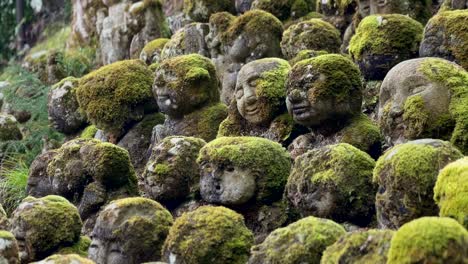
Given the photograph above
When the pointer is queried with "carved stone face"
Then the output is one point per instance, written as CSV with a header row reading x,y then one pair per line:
x,y
107,252
401,84
168,100
226,183
250,104
364,7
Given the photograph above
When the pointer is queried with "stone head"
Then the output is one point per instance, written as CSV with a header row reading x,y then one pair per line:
x,y
171,174
324,88
41,226
261,91
237,170
184,84
131,231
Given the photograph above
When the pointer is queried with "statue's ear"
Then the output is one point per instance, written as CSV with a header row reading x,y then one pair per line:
x,y
197,74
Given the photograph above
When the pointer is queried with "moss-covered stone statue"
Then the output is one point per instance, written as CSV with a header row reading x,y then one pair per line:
x,y
451,191
382,41
171,175
63,108
44,226
285,9
446,36
89,173
314,34
334,182
65,259
248,39
362,246
9,252
130,231
300,242
9,128
425,98
429,240
259,107
448,5
187,91
246,174
187,40
325,94
201,10
208,235
416,9
116,96
336,12
128,26
151,53
406,175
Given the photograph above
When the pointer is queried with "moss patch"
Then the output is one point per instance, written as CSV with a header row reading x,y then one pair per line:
x,y
89,132
363,134
253,24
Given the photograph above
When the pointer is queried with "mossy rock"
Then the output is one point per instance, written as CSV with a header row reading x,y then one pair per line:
x,y
306,54
362,246
89,132
429,240
382,41
116,95
300,242
9,129
314,34
139,225
9,252
65,259
446,36
151,53
363,134
406,175
201,10
208,235
451,191
48,224
333,182
268,159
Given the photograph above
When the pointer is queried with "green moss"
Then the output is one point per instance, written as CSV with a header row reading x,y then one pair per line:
x,y
221,21
209,119
271,84
80,247
256,154
151,53
89,132
252,23
429,240
408,173
6,235
51,223
363,246
342,79
386,34
201,10
57,36
110,95
306,54
300,242
455,78
209,234
313,34
415,115
363,134
451,191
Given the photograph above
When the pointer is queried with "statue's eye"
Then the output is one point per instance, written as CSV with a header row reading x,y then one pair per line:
x,y
253,82
239,92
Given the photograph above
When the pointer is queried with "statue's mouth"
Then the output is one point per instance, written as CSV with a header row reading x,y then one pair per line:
x,y
300,109
252,110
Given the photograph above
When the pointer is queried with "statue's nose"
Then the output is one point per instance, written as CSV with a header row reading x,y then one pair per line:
x,y
295,95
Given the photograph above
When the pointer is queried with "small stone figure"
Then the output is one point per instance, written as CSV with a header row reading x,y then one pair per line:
x,y
130,231
324,94
445,36
9,129
334,182
284,10
116,96
314,34
451,190
377,46
248,39
362,246
171,174
425,98
187,91
246,173
201,10
418,10
63,108
338,13
208,235
429,240
300,242
187,40
9,252
151,53
406,175
43,226
448,5
259,108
